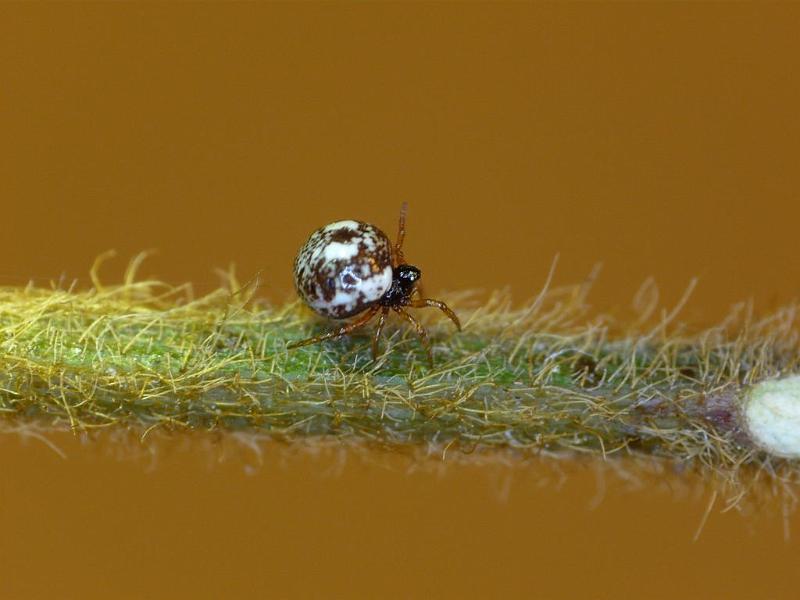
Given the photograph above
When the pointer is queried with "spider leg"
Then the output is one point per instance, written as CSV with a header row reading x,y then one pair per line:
x,y
336,333
378,331
399,259
430,302
423,335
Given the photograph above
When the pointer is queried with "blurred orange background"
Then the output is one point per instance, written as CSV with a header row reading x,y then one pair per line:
x,y
661,140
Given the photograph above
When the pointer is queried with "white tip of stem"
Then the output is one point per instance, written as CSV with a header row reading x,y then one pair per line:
x,y
772,416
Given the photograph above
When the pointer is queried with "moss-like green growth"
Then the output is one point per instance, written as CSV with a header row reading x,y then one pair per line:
x,y
546,377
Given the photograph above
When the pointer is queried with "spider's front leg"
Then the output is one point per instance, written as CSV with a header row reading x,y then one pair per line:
x,y
431,303
378,330
421,332
397,256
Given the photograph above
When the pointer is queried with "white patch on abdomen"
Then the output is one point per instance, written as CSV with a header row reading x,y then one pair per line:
x,y
340,251
366,290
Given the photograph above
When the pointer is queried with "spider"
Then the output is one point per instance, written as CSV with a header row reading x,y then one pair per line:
x,y
350,268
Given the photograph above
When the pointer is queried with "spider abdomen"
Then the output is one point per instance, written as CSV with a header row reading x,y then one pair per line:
x,y
344,268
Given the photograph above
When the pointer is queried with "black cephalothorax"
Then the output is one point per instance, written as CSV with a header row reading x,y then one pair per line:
x,y
404,282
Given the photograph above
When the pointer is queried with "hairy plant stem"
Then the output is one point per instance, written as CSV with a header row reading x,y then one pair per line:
x,y
547,377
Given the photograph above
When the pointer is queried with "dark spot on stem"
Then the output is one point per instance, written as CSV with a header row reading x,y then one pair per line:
x,y
585,370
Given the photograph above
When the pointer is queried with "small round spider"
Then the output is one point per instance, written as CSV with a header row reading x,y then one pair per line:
x,y
350,267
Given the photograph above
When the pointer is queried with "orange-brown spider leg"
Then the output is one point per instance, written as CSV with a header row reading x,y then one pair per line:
x,y
398,257
423,335
343,330
423,302
378,330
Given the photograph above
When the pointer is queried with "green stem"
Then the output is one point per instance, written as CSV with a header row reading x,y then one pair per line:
x,y
545,377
